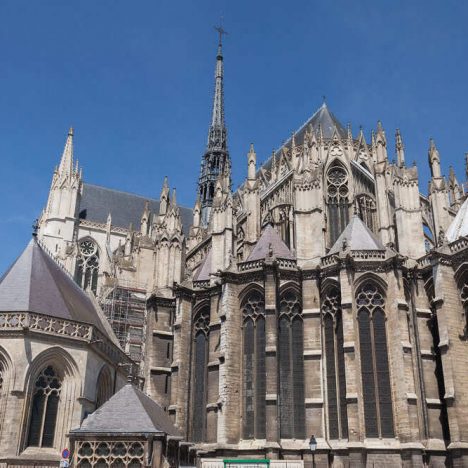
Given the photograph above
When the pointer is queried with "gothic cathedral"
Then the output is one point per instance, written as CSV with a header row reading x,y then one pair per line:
x,y
326,296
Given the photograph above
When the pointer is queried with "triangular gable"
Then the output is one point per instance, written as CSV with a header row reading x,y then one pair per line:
x,y
356,236
270,245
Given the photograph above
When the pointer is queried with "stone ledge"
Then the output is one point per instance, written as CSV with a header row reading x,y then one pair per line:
x,y
311,312
349,347
163,333
213,363
406,346
427,354
351,398
314,402
433,402
423,313
271,397
411,396
402,305
270,349
165,370
212,406
313,353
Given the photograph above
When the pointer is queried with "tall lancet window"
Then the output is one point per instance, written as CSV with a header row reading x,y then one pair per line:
x,y
291,367
337,201
200,353
335,365
378,412
254,369
44,408
367,210
87,265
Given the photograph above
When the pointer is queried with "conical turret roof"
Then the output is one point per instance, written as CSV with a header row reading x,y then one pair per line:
x,y
35,282
270,244
357,236
459,226
129,411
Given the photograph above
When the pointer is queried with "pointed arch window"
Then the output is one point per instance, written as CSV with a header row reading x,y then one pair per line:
x,y
378,411
254,368
367,211
335,365
44,408
291,367
200,362
337,201
87,265
104,387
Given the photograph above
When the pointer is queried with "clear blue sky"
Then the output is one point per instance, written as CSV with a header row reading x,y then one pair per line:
x,y
135,79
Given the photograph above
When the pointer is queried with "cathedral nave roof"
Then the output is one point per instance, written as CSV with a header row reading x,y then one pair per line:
x,y
125,208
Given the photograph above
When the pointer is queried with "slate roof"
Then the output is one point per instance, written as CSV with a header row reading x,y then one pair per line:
x,y
125,208
203,272
270,239
459,226
36,283
324,118
129,411
358,237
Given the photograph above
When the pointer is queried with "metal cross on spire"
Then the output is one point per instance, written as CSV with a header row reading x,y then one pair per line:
x,y
221,32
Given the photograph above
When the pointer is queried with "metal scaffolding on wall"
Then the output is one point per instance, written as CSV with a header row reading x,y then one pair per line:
x,y
125,307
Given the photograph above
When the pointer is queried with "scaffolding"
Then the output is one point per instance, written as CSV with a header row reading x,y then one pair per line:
x,y
125,308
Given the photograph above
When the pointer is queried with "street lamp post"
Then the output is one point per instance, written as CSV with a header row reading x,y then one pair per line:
x,y
313,447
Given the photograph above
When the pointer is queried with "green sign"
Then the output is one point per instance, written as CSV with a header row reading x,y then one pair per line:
x,y
252,462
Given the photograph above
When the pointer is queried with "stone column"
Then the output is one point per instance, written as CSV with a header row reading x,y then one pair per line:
x,y
352,368
230,358
312,355
454,352
271,360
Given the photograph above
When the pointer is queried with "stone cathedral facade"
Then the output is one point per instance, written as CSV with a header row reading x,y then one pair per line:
x,y
326,296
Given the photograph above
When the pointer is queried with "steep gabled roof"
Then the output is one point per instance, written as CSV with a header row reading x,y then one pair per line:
x,y
270,245
36,283
459,226
129,411
324,119
125,208
204,270
357,236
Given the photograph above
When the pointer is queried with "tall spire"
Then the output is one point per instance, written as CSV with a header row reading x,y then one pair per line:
x,y
215,161
66,163
217,132
400,148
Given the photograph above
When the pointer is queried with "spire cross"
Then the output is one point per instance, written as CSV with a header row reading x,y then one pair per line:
x,y
221,32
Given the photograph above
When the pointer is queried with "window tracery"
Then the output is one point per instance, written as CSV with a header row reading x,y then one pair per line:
x,y
335,365
254,368
291,367
44,408
367,211
87,265
378,412
201,332
337,201
121,454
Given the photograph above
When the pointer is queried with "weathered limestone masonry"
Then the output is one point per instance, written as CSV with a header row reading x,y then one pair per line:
x,y
325,296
